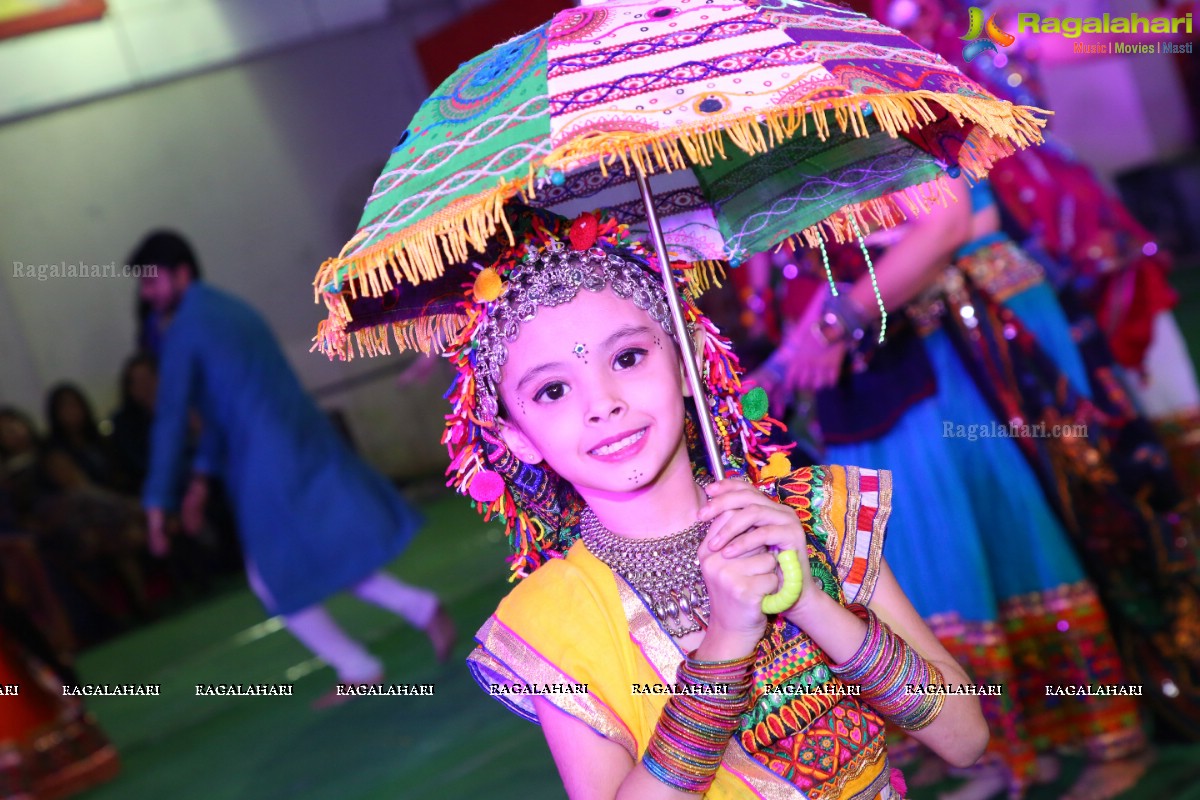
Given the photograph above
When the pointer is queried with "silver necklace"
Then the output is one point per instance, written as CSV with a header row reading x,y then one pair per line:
x,y
665,571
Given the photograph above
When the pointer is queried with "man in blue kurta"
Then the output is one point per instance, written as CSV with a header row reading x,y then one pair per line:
x,y
313,518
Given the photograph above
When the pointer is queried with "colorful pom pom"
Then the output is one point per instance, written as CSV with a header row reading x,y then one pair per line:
x,y
755,404
488,285
777,466
486,487
558,178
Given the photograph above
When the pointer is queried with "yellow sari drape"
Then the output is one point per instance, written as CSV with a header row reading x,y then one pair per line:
x,y
581,638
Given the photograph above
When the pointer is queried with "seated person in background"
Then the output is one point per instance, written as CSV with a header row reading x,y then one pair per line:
x,y
92,536
18,465
72,428
134,418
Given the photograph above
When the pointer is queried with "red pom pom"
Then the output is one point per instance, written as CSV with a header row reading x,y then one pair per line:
x,y
896,779
584,231
486,486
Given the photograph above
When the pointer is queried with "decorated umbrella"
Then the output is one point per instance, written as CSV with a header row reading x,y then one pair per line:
x,y
761,119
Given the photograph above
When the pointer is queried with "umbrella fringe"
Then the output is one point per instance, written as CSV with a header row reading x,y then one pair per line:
x,y
1008,127
445,237
703,275
877,213
448,236
424,335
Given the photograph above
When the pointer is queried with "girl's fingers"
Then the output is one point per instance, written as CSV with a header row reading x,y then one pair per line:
x,y
715,526
761,564
734,490
735,523
764,536
734,501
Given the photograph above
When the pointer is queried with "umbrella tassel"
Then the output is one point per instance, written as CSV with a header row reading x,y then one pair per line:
x,y
874,282
688,144
677,153
711,141
828,270
719,142
512,239
757,131
393,261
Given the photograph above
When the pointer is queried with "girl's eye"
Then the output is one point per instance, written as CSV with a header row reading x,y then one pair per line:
x,y
550,392
629,358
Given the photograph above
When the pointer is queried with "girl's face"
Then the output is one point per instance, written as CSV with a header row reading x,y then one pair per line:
x,y
594,388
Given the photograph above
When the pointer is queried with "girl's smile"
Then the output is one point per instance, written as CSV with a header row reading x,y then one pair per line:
x,y
620,447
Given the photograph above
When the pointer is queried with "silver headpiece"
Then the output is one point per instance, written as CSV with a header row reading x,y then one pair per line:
x,y
553,277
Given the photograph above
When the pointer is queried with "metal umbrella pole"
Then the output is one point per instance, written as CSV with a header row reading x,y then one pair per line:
x,y
789,562
690,365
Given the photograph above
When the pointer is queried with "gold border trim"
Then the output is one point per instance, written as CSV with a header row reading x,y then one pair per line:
x,y
883,512
502,653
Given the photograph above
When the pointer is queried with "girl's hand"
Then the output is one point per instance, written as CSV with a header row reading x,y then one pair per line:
x,y
736,587
749,524
811,363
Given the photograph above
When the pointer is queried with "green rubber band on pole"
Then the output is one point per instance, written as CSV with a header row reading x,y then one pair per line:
x,y
793,584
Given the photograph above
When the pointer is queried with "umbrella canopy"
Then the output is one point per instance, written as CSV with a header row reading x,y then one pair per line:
x,y
764,106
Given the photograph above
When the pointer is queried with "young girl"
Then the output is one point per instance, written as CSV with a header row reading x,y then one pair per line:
x,y
637,637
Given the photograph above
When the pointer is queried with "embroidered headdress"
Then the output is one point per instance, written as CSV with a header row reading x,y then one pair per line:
x,y
472,327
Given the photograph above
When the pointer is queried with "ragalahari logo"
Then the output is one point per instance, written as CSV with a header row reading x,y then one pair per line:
x,y
992,33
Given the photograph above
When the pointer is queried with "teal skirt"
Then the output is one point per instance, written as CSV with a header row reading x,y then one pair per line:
x,y
970,525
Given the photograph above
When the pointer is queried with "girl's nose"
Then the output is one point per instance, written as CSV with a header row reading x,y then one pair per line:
x,y
606,405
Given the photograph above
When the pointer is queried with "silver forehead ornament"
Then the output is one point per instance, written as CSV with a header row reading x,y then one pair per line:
x,y
553,277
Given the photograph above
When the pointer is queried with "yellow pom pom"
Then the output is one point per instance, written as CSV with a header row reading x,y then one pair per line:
x,y
777,466
488,286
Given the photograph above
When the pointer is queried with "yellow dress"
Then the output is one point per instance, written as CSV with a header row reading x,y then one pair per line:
x,y
580,637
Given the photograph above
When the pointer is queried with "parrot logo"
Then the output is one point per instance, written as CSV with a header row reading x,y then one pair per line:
x,y
992,33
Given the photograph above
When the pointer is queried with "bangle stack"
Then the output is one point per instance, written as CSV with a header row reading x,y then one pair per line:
x,y
694,729
887,669
841,320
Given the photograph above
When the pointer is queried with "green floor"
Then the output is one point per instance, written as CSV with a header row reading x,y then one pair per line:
x,y
456,744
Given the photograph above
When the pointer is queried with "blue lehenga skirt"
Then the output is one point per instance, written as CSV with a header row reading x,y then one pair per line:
x,y
987,563
976,497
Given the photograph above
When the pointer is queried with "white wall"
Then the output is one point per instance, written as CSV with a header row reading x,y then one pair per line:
x,y
264,165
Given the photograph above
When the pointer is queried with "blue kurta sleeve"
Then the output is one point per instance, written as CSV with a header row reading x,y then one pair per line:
x,y
210,451
176,384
